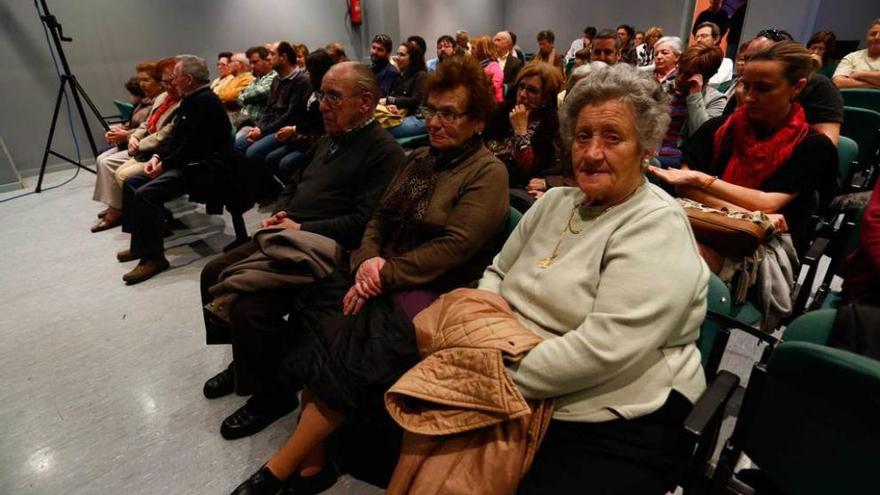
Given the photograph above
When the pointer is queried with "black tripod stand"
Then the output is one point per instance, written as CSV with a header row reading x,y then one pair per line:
x,y
67,79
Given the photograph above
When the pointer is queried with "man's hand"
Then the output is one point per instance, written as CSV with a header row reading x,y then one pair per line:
x,y
153,168
133,145
352,302
285,133
280,219
367,279
393,109
519,120
254,134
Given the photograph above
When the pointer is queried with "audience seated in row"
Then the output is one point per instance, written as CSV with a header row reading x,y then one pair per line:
x,y
861,69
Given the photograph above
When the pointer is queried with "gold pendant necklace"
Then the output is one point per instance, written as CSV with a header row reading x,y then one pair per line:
x,y
548,260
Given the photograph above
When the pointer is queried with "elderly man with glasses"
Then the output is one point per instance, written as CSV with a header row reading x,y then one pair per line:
x,y
332,196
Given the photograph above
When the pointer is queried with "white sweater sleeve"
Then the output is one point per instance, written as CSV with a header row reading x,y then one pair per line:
x,y
646,293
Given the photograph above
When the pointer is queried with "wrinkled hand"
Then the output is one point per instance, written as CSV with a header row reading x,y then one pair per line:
x,y
368,282
116,135
153,168
133,145
352,302
519,119
695,84
680,177
285,133
778,221
393,109
280,219
254,134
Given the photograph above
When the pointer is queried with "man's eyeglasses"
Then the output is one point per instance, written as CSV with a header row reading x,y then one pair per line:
x,y
444,115
333,100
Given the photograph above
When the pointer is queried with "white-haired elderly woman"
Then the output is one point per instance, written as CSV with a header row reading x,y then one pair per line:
x,y
609,274
666,52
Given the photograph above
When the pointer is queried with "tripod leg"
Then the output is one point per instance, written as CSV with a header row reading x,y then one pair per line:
x,y
90,103
82,114
51,132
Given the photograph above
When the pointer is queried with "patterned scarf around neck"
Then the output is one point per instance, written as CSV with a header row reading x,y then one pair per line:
x,y
406,205
755,159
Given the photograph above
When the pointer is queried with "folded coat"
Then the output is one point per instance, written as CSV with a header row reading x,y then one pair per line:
x,y
286,257
468,428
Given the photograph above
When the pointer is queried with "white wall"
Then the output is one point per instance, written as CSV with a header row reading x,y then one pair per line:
x,y
568,18
111,36
848,19
432,18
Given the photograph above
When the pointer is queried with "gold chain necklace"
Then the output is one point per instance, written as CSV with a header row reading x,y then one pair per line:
x,y
549,260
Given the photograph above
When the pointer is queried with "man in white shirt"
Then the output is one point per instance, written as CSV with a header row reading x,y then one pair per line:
x,y
508,61
861,69
708,33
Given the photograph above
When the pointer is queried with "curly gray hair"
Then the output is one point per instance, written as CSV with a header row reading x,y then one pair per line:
x,y
622,82
674,42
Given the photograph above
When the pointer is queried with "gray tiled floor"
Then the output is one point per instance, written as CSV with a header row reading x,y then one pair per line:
x,y
101,383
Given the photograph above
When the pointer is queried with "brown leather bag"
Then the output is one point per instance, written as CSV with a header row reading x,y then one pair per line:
x,y
731,234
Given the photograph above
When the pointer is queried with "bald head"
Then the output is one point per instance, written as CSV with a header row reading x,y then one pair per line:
x,y
503,43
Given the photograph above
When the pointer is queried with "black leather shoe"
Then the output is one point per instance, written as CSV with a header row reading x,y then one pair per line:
x,y
221,384
250,419
263,482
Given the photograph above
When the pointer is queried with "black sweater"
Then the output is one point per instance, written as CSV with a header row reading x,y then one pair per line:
x,y
201,129
335,193
287,102
406,93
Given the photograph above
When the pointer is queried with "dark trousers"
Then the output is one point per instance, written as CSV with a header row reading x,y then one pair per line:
x,y
256,331
627,457
143,201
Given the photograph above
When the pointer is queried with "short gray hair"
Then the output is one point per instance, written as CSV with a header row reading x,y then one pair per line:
x,y
240,57
195,67
624,83
364,79
674,42
583,71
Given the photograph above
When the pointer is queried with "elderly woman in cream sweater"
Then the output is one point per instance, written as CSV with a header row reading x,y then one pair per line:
x,y
610,275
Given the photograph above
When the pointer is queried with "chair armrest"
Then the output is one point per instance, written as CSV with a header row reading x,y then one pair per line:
x,y
711,403
731,323
811,261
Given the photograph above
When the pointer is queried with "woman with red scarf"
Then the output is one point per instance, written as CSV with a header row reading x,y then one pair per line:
x,y
763,157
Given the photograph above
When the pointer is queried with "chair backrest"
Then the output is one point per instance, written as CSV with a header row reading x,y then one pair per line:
x,y
813,327
847,152
862,98
717,300
810,423
513,218
124,108
862,125
828,70
723,87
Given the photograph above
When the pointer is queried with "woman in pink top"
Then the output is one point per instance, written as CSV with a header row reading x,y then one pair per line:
x,y
483,50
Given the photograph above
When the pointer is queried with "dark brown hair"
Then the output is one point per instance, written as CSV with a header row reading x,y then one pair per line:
x,y
464,71
551,79
828,39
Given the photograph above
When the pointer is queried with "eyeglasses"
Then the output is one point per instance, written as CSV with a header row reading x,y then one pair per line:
x,y
532,90
776,35
444,115
333,100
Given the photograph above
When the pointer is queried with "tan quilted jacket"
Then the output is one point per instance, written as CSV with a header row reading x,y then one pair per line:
x,y
467,428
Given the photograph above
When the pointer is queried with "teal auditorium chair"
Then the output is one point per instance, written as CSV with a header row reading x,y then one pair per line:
x,y
863,126
828,70
809,422
862,98
513,219
844,241
413,142
723,87
125,109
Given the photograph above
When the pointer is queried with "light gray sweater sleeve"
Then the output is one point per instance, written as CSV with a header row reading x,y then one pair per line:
x,y
704,106
646,294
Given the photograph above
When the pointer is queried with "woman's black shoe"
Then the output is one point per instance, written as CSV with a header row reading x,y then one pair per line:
x,y
263,482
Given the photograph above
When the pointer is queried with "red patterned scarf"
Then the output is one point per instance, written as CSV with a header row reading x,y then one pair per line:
x,y
167,103
754,159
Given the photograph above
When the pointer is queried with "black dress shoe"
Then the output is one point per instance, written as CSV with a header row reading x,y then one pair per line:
x,y
263,482
221,384
250,419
